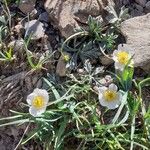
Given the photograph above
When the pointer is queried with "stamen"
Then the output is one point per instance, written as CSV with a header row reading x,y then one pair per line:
x,y
110,95
38,102
123,57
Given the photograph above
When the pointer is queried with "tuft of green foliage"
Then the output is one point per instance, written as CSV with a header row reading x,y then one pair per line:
x,y
7,55
89,44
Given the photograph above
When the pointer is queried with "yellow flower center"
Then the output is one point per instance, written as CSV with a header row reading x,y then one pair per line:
x,y
66,57
123,57
110,95
38,102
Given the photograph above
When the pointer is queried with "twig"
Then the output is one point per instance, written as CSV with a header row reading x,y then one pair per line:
x,y
22,136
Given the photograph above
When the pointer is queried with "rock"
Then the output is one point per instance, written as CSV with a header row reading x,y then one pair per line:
x,y
137,33
106,61
43,17
26,6
136,10
35,28
68,14
47,47
135,13
61,67
19,30
147,7
141,2
2,146
17,45
139,8
125,2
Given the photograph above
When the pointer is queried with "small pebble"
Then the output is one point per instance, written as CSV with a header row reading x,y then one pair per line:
x,y
43,17
26,6
125,2
35,28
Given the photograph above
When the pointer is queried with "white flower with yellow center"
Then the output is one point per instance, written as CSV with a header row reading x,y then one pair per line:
x,y
38,101
109,96
121,58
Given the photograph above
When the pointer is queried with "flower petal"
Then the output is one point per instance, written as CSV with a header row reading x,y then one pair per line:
x,y
119,66
102,89
102,101
36,112
110,105
123,50
113,87
100,95
113,104
43,93
30,98
115,53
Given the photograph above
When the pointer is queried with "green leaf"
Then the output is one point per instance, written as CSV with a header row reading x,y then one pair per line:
x,y
12,117
15,122
55,92
127,76
64,97
133,104
123,102
3,20
30,136
59,135
132,133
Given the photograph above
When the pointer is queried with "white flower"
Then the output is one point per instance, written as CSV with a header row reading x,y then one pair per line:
x,y
38,101
121,58
109,96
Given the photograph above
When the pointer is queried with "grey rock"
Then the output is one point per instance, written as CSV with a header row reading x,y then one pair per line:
x,y
2,147
34,28
125,2
139,7
135,13
26,6
147,7
44,17
105,61
17,45
69,14
61,69
19,30
141,2
148,4
137,33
